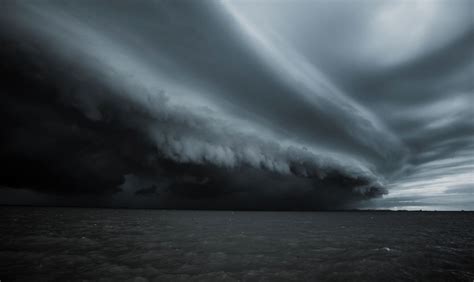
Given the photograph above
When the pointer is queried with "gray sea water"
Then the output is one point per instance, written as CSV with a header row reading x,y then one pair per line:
x,y
76,244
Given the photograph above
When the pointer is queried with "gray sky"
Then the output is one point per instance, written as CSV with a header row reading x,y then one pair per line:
x,y
374,91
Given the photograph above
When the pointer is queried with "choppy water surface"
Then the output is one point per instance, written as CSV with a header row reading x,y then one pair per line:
x,y
39,244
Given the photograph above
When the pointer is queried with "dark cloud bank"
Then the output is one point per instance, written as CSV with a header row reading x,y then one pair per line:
x,y
179,104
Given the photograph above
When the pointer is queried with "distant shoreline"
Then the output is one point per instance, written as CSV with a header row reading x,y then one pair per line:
x,y
230,210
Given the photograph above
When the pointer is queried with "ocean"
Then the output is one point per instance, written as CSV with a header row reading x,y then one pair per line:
x,y
77,244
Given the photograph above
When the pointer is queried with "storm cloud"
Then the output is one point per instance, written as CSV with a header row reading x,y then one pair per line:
x,y
235,105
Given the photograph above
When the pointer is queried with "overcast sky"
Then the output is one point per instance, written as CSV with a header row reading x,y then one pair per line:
x,y
238,104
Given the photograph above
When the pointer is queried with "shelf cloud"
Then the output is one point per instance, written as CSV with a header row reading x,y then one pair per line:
x,y
237,105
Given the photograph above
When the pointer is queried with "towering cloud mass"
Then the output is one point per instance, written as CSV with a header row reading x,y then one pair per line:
x,y
237,105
